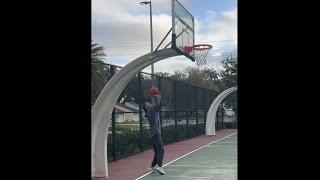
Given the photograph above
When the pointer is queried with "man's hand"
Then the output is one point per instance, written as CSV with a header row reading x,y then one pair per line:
x,y
158,96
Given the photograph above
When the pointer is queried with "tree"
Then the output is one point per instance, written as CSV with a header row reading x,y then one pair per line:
x,y
210,74
166,90
131,92
196,77
213,76
229,79
163,74
229,73
99,72
97,53
179,76
231,101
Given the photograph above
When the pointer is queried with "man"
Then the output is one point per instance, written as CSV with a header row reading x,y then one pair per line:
x,y
152,108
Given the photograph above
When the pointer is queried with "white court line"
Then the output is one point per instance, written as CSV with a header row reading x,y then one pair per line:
x,y
187,155
172,169
188,177
215,146
195,166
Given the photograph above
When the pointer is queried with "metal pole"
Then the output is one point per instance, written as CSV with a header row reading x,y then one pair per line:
x,y
196,95
114,135
140,112
175,109
217,119
204,107
173,44
173,15
112,73
151,35
187,110
222,118
160,110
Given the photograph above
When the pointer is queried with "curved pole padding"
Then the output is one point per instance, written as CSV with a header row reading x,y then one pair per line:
x,y
211,115
102,109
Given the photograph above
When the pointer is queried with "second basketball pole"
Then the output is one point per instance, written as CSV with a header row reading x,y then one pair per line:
x,y
151,37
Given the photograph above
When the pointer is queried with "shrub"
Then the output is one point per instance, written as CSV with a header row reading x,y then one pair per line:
x,y
231,125
128,140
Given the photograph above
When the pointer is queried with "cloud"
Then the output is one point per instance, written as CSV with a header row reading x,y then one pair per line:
x,y
215,61
217,54
211,12
119,23
218,27
171,65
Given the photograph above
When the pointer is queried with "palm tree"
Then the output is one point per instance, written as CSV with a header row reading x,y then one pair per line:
x,y
99,71
97,54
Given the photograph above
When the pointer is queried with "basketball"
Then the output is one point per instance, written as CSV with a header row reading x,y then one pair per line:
x,y
154,91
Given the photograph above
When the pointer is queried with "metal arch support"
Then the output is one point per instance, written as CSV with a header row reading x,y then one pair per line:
x,y
211,115
102,109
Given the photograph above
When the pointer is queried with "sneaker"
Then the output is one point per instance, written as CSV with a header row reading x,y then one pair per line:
x,y
160,170
153,169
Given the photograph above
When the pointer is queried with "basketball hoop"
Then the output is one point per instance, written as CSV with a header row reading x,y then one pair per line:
x,y
200,52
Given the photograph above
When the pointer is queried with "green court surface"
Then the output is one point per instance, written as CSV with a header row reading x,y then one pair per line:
x,y
215,161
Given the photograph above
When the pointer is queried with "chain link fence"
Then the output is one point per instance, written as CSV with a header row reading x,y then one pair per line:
x,y
182,115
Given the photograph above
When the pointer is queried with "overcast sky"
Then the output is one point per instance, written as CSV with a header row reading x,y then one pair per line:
x,y
122,27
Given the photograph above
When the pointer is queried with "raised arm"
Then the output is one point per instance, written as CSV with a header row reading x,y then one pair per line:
x,y
156,104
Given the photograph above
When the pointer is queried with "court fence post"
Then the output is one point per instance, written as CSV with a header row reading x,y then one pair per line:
x,y
175,110
196,107
140,94
205,108
114,156
217,119
222,116
187,110
160,110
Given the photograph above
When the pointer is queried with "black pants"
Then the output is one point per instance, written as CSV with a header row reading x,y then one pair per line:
x,y
156,141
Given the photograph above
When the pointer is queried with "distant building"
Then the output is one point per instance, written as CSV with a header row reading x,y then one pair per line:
x,y
127,112
228,111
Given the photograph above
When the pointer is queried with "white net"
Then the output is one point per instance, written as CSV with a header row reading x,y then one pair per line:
x,y
201,53
201,56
